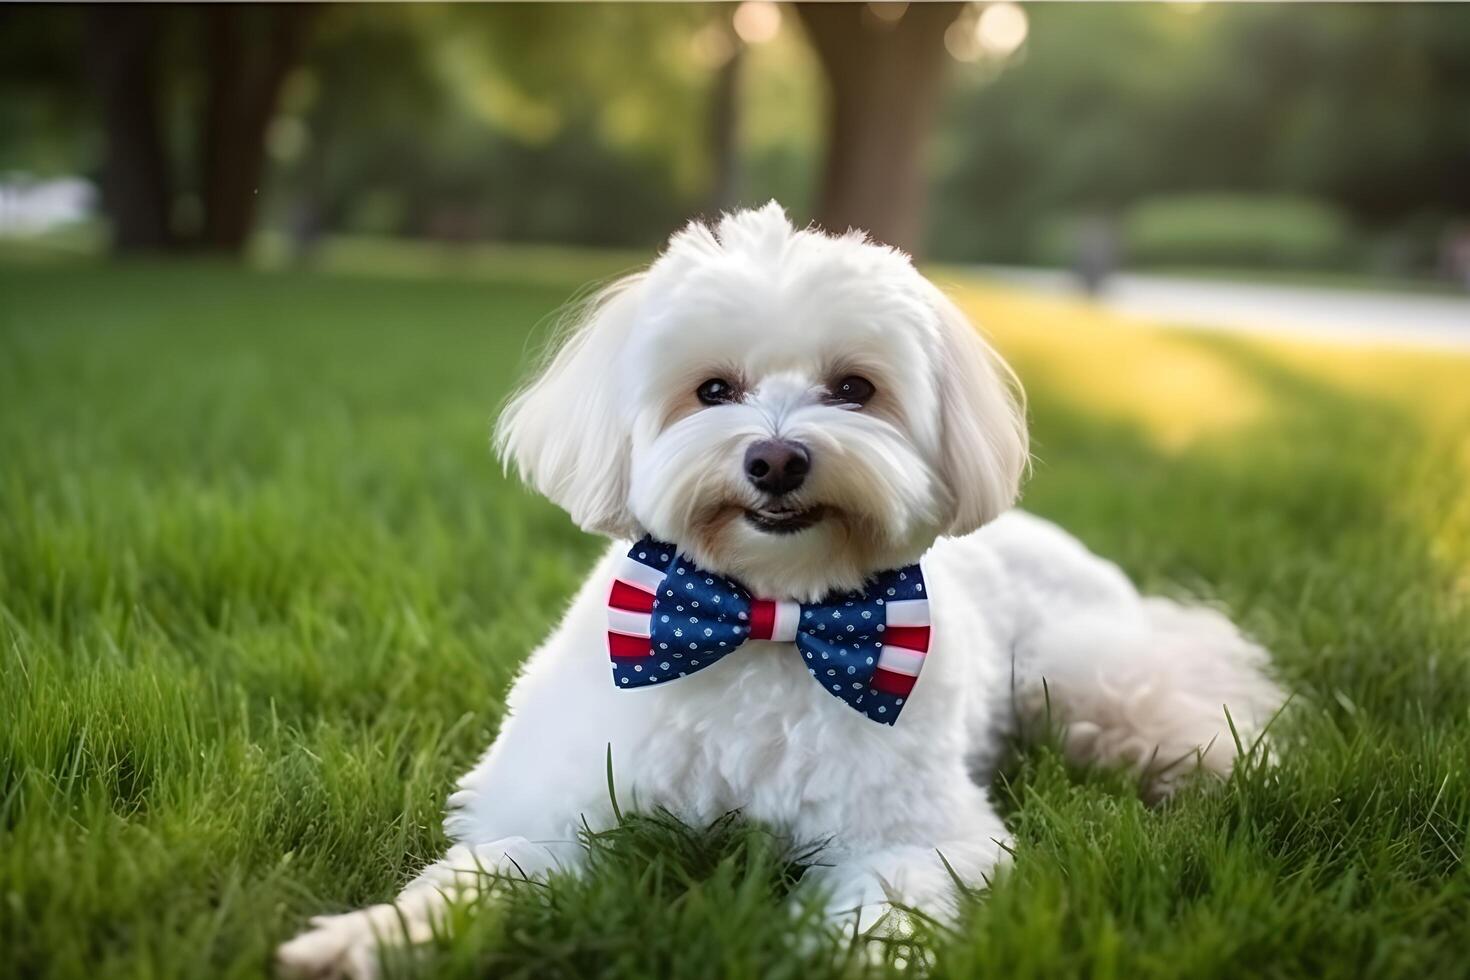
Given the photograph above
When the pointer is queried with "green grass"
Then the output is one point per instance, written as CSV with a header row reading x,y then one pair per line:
x,y
262,590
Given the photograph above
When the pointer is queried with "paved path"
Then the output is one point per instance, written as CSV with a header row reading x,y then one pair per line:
x,y
1345,315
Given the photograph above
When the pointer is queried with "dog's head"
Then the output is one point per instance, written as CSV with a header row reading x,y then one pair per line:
x,y
793,409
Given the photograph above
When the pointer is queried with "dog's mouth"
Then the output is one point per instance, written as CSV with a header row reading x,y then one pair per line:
x,y
783,520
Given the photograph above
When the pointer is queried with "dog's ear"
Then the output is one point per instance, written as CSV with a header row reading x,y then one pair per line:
x,y
565,432
983,442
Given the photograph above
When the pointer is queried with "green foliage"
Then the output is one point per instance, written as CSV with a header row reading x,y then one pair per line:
x,y
1359,107
1234,231
499,122
45,127
262,590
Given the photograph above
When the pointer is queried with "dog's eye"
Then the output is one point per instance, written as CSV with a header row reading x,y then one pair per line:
x,y
853,390
716,391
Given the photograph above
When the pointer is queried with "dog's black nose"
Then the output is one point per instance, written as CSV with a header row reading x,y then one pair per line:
x,y
776,466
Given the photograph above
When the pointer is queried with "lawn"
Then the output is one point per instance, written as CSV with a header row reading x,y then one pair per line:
x,y
262,590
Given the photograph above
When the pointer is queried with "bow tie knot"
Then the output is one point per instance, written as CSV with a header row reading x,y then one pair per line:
x,y
774,620
668,618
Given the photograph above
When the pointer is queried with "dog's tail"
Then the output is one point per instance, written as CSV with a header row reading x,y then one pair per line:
x,y
1159,690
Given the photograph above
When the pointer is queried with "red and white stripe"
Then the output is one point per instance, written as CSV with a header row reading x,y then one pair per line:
x,y
905,644
771,620
630,609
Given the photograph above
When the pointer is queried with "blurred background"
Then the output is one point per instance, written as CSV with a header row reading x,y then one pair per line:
x,y
1320,142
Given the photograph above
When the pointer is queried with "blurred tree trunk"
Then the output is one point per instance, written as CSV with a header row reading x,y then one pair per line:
x,y
122,47
250,50
883,81
724,132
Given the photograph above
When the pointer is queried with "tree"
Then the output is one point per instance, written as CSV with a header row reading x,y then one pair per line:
x,y
883,79
248,51
136,187
724,127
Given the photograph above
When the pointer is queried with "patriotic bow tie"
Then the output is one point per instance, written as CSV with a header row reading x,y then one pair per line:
x,y
668,618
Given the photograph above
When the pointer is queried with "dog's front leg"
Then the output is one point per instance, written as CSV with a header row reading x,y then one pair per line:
x,y
528,832
519,812
865,889
352,944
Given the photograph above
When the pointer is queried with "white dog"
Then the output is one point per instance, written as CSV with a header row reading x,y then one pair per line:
x,y
802,426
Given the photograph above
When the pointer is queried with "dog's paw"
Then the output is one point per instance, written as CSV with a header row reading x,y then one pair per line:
x,y
858,902
337,947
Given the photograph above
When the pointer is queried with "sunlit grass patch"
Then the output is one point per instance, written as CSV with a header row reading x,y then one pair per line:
x,y
1432,388
1115,366
1178,391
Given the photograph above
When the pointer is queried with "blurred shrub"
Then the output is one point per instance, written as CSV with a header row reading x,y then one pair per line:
x,y
1235,230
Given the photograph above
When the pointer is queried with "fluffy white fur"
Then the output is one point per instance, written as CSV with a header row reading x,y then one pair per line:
x,y
611,431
